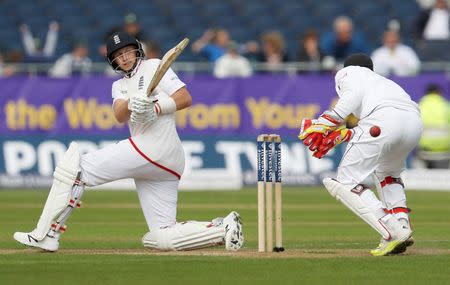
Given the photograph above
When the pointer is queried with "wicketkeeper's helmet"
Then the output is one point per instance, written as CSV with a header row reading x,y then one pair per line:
x,y
119,40
359,59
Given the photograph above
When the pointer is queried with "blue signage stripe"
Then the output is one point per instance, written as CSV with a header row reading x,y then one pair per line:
x,y
277,163
269,161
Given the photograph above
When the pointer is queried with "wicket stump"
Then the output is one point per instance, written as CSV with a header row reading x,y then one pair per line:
x,y
269,169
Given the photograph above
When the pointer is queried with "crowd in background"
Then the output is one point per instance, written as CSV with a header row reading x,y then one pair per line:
x,y
318,52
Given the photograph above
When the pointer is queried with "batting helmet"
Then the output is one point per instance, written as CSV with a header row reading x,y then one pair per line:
x,y
119,40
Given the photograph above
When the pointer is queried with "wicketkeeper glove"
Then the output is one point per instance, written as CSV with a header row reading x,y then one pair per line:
x,y
142,109
313,134
336,137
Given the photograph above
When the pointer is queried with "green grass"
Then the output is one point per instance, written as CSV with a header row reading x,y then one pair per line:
x,y
325,243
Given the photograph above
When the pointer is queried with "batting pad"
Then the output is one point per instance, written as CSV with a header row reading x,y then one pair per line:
x,y
60,193
354,202
185,236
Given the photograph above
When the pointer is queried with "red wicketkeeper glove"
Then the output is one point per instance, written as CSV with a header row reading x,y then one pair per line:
x,y
312,132
336,137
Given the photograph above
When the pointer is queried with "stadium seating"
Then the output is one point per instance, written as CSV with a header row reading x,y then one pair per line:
x,y
434,50
168,21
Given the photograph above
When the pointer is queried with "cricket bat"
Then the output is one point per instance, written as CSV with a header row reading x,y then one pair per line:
x,y
165,63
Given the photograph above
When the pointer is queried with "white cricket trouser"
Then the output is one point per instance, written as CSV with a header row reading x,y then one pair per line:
x,y
386,154
157,186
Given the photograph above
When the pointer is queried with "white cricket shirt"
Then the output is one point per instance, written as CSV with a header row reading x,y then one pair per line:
x,y
361,91
159,140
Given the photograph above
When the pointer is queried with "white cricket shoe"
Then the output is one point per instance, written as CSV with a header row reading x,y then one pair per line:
x,y
234,236
48,243
399,249
400,239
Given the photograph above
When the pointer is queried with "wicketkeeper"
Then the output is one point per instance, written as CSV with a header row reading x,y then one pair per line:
x,y
389,128
153,156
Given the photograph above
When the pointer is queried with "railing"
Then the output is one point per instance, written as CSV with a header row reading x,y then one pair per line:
x,y
206,67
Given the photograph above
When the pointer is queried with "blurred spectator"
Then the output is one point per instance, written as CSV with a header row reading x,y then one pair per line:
x,y
232,64
435,142
425,4
152,50
309,50
32,46
272,50
434,23
102,47
343,41
4,69
394,58
132,27
14,56
75,62
212,44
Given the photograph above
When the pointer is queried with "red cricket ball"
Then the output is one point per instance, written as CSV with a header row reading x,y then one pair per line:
x,y
375,131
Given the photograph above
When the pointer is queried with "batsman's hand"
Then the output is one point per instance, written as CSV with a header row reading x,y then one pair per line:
x,y
142,109
336,137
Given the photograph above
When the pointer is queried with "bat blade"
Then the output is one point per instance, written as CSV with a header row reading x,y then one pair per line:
x,y
165,63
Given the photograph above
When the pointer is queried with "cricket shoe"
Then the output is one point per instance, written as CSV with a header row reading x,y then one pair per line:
x,y
409,242
402,247
234,236
398,250
48,243
400,239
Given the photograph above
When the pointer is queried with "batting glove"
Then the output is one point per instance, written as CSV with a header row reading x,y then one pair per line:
x,y
142,109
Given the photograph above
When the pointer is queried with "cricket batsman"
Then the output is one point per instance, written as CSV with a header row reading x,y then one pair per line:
x,y
389,128
153,156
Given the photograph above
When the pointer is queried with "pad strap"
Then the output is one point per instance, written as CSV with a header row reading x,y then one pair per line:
x,y
397,210
391,180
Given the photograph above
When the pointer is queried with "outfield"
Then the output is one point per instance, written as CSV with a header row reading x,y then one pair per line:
x,y
325,243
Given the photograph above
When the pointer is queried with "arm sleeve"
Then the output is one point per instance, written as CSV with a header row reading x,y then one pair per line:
x,y
206,51
219,68
170,82
50,42
246,68
412,60
350,95
62,67
28,43
86,65
379,65
116,93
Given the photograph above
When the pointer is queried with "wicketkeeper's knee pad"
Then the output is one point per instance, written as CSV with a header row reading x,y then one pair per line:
x,y
185,236
64,195
351,199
